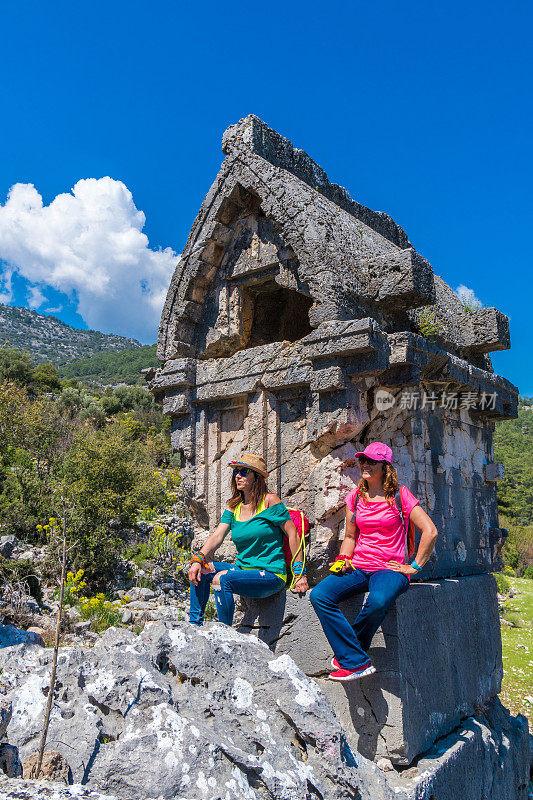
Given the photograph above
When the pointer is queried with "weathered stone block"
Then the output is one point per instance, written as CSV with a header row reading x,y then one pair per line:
x,y
177,403
485,758
328,379
438,657
493,472
490,330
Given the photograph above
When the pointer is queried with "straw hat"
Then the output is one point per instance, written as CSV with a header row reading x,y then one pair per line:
x,y
254,462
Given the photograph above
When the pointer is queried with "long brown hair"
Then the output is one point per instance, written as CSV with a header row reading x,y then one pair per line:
x,y
391,484
259,489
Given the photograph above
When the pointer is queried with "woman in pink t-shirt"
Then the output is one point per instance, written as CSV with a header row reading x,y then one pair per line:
x,y
372,556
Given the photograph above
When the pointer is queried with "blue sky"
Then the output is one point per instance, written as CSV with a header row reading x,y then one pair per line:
x,y
420,110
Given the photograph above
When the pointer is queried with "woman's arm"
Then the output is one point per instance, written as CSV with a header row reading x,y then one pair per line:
x,y
424,523
295,543
289,529
350,538
207,550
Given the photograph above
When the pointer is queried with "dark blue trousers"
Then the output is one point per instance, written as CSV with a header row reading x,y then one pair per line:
x,y
350,641
256,583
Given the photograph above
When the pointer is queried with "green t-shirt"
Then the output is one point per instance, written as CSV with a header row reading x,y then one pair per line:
x,y
259,540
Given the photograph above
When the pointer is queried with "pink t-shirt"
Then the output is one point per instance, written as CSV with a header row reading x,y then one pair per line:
x,y
381,532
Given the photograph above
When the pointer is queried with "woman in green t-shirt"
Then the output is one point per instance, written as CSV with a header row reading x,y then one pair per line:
x,y
258,521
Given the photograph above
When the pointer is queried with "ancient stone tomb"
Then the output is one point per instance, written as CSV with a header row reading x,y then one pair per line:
x,y
301,325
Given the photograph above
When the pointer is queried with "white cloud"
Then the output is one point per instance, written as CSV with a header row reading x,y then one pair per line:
x,y
468,297
35,297
88,244
6,290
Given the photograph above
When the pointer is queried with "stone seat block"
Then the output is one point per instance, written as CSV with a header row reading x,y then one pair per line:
x,y
437,655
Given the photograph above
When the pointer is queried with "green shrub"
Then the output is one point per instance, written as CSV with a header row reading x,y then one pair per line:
x,y
502,583
513,447
514,618
210,611
105,477
74,584
103,613
16,366
46,378
429,325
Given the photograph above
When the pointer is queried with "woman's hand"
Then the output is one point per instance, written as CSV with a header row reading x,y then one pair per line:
x,y
346,566
405,569
195,573
301,586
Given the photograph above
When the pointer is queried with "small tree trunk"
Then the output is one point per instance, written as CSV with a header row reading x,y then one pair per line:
x,y
56,645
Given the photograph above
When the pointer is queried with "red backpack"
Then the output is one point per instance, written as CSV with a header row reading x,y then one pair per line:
x,y
302,526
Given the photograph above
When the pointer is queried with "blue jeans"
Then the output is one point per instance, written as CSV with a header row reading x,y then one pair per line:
x,y
349,642
256,583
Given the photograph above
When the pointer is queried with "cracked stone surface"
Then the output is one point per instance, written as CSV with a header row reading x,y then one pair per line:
x,y
181,712
18,789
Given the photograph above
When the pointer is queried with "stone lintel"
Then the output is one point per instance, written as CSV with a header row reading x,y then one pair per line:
x,y
328,379
294,375
367,364
176,373
281,365
454,373
344,338
244,274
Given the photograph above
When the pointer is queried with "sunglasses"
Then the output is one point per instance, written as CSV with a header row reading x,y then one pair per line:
x,y
370,461
242,471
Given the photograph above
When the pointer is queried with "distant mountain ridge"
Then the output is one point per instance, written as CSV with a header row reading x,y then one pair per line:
x,y
46,338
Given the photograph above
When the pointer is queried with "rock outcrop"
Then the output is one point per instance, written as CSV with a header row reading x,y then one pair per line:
x,y
181,712
46,790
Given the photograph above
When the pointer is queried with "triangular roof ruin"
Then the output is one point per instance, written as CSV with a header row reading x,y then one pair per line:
x,y
274,232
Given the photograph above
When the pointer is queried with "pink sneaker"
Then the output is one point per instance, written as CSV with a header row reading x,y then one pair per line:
x,y
352,674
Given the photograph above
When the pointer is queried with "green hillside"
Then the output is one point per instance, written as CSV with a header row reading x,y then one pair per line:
x,y
110,368
513,447
47,339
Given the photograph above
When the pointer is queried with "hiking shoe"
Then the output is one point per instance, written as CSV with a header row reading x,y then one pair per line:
x,y
352,674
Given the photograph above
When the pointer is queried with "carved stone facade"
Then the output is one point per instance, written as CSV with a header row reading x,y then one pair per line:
x,y
292,328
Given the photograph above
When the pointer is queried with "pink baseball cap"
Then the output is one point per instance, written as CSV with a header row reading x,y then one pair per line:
x,y
378,451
